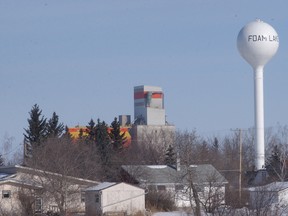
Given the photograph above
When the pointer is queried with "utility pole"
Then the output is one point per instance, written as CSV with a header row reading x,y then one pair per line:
x,y
240,164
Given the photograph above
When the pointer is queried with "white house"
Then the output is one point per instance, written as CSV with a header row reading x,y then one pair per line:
x,y
38,191
266,195
110,197
209,183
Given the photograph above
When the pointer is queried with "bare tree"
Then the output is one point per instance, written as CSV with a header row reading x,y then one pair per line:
x,y
7,148
26,197
186,146
56,162
213,195
65,157
149,147
193,195
277,151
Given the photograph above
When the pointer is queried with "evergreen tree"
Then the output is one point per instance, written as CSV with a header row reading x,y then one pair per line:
x,y
81,134
103,141
54,128
214,154
91,129
1,160
216,144
36,131
66,133
117,138
170,158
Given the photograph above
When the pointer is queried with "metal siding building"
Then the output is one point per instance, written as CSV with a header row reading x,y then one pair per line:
x,y
109,197
149,105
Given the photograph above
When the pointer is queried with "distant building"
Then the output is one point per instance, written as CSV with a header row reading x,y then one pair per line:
x,y
124,129
150,124
114,198
149,106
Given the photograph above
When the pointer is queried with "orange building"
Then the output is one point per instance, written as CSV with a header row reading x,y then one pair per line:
x,y
75,131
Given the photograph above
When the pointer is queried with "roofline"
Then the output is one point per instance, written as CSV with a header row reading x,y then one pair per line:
x,y
126,169
116,183
12,181
55,174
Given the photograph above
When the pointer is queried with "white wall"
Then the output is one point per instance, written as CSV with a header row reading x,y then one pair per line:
x,y
74,188
283,197
182,196
163,136
154,113
120,197
12,204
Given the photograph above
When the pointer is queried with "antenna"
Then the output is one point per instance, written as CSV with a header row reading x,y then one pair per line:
x,y
257,43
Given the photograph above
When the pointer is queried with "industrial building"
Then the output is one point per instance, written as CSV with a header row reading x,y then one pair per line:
x,y
150,124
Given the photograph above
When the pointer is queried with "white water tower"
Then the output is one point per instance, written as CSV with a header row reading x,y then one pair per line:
x,y
257,43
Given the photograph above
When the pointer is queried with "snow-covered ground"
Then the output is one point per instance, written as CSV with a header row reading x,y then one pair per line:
x,y
278,211
174,213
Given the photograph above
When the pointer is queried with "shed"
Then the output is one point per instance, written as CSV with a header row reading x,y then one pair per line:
x,y
111,197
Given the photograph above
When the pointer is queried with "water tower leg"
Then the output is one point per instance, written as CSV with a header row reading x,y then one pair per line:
x,y
259,119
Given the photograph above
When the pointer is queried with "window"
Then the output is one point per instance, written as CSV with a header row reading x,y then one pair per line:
x,y
97,197
38,205
53,208
161,187
6,194
82,196
151,187
179,187
199,188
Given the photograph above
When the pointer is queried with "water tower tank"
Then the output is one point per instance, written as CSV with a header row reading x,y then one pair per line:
x,y
257,43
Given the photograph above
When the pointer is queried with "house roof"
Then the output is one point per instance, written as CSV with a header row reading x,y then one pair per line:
x,y
105,185
26,184
11,173
101,186
4,175
163,174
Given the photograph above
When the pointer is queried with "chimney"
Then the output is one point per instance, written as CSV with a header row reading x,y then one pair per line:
x,y
178,162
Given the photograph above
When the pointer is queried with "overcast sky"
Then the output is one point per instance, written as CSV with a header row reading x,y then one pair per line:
x,y
82,59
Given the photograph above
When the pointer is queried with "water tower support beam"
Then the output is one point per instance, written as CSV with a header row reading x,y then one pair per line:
x,y
259,118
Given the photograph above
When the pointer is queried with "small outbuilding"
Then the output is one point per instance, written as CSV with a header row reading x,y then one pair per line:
x,y
114,198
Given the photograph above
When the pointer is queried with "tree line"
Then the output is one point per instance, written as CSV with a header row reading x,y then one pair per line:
x,y
107,152
47,142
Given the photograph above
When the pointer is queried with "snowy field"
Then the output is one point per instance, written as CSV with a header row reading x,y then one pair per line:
x,y
275,211
175,213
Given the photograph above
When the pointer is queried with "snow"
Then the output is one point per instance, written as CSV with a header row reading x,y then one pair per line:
x,y
274,210
157,166
174,213
3,175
